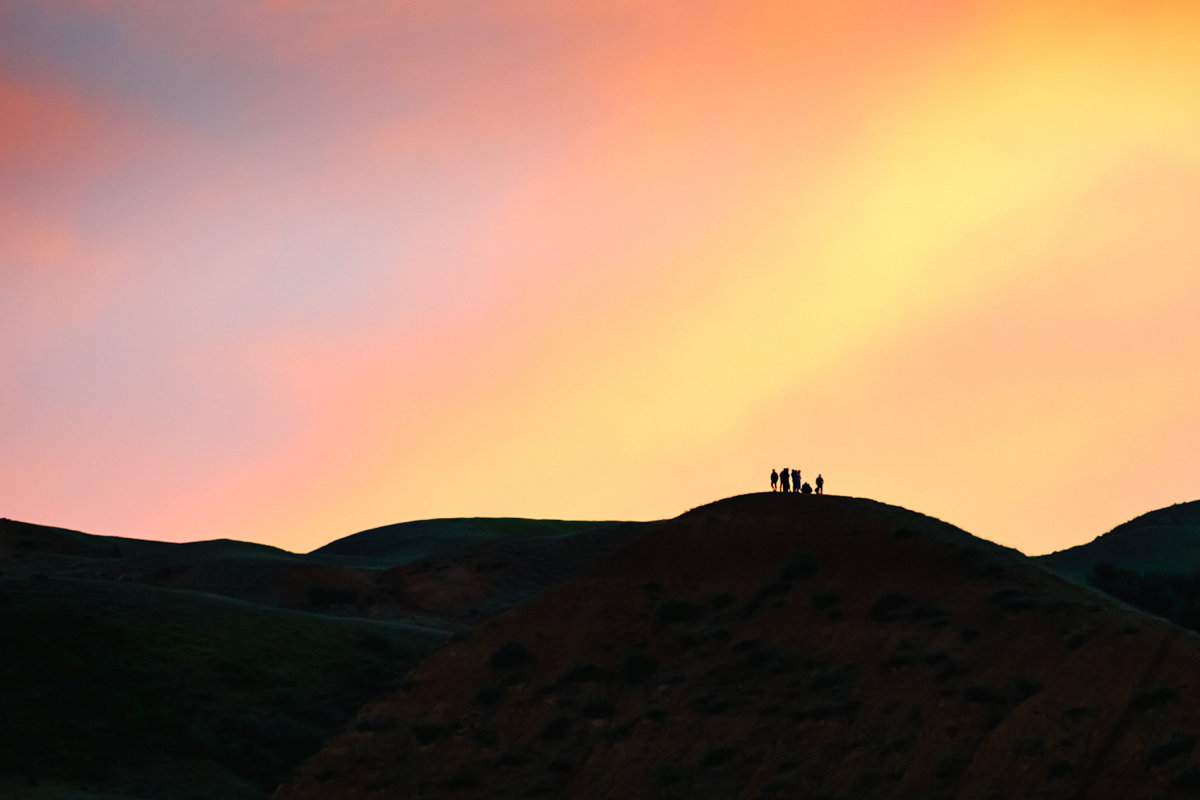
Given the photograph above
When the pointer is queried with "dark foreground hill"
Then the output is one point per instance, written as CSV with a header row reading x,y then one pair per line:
x,y
791,646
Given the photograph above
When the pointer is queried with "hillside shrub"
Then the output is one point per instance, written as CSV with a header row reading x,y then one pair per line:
x,y
984,694
488,695
639,667
1188,781
672,611
722,601
427,732
1175,597
1154,697
1012,600
598,709
823,601
798,570
510,655
585,672
1180,744
1026,687
717,756
889,607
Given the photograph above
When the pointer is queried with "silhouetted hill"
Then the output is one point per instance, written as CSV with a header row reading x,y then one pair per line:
x,y
133,668
1152,562
25,545
473,582
455,570
412,541
789,646
1165,542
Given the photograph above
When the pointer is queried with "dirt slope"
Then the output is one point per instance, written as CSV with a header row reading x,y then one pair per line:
x,y
791,646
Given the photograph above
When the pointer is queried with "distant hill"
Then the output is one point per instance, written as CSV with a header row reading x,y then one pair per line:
x,y
411,541
779,646
456,570
133,668
1165,542
1152,562
25,544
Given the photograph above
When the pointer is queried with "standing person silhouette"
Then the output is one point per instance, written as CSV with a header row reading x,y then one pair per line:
x,y
820,485
795,480
774,479
783,480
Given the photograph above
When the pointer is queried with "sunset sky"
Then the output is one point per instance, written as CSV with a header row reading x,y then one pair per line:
x,y
283,270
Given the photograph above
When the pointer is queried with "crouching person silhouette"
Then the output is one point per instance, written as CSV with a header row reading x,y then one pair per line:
x,y
806,489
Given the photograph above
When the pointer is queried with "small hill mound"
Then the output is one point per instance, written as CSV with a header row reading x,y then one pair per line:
x,y
476,581
790,646
412,541
1164,542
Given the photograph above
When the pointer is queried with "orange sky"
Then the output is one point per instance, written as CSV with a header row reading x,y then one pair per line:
x,y
282,271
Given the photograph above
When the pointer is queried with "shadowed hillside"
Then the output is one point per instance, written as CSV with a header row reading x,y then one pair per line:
x,y
1165,542
790,646
447,572
134,668
122,690
1152,562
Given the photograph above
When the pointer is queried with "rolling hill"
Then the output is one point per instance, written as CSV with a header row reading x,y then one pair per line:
x,y
789,646
447,571
406,542
134,668
1163,542
762,646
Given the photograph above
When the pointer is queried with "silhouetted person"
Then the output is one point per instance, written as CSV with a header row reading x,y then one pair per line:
x,y
806,489
783,481
820,485
795,480
774,479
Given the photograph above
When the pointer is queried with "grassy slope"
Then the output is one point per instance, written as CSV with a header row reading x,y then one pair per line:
x,y
124,690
